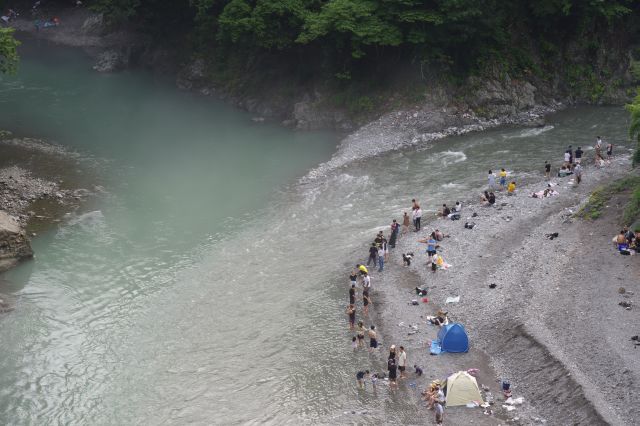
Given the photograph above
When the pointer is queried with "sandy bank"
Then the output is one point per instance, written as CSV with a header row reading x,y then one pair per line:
x,y
547,326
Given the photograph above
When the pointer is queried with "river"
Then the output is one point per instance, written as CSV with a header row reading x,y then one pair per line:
x,y
208,283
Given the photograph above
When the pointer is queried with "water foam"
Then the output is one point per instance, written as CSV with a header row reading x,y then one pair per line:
x,y
527,133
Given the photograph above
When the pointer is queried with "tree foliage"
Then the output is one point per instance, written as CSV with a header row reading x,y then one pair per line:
x,y
460,32
8,51
634,126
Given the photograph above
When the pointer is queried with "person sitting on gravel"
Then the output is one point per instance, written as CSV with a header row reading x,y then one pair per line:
x,y
455,212
564,171
430,395
445,212
621,241
439,319
439,235
511,188
488,199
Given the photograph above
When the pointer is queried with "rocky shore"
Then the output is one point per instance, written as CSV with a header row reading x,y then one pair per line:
x,y
33,194
551,324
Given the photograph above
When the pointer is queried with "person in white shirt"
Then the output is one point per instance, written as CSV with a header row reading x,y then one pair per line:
x,y
402,362
417,215
366,281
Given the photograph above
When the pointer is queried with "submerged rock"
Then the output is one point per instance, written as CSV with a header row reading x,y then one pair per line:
x,y
14,243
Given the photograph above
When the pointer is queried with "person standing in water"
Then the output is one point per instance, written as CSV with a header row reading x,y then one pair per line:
x,y
609,152
373,252
579,153
570,151
395,229
360,334
381,251
353,277
405,223
366,282
366,300
352,294
503,178
351,312
373,339
598,149
547,170
492,181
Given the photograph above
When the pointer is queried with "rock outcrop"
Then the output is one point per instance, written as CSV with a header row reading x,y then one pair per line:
x,y
14,243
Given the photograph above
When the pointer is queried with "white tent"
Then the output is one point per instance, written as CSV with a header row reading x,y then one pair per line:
x,y
462,388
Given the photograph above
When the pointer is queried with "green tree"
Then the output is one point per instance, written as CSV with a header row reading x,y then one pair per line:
x,y
634,127
8,51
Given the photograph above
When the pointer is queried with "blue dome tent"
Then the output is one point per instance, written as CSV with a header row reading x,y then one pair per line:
x,y
451,338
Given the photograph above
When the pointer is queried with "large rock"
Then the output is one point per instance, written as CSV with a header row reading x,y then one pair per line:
x,y
112,60
94,25
499,97
14,243
193,76
310,115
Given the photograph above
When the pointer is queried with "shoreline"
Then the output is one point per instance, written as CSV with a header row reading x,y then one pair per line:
x,y
501,322
40,183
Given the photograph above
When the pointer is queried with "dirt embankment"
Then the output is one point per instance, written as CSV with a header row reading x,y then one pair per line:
x,y
552,324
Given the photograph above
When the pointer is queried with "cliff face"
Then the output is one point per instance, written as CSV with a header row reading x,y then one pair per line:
x,y
14,243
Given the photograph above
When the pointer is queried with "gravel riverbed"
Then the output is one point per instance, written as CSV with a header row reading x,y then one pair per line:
x,y
552,325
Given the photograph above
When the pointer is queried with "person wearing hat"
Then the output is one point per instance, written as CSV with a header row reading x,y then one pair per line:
x,y
362,269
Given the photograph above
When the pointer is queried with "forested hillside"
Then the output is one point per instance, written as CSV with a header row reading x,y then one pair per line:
x,y
370,48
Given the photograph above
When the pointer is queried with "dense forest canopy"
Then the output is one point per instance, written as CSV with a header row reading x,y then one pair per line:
x,y
341,37
457,30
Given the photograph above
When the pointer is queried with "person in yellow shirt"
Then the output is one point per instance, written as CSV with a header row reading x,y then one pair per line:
x,y
503,178
511,189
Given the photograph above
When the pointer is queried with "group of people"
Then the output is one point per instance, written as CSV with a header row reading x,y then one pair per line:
x,y
379,252
502,175
627,242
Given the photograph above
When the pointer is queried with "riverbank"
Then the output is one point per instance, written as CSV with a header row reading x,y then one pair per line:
x,y
544,326
438,109
39,184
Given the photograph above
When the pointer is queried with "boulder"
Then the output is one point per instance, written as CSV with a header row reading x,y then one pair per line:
x,y
94,25
111,60
310,115
193,76
14,243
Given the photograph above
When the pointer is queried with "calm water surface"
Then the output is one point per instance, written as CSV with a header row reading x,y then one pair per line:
x,y
208,285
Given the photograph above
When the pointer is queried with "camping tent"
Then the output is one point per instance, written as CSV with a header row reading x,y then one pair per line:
x,y
453,338
462,389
